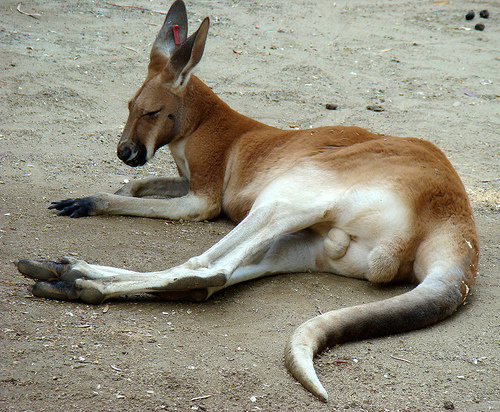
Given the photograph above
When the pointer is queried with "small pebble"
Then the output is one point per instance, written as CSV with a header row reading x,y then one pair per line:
x,y
448,405
375,108
470,15
331,106
484,14
479,26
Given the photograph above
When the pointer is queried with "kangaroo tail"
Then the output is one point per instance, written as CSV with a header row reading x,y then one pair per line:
x,y
436,298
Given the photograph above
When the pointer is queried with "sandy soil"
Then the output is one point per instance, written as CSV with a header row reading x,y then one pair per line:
x,y
66,78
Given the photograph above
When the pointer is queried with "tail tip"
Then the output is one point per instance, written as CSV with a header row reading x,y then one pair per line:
x,y
322,395
299,361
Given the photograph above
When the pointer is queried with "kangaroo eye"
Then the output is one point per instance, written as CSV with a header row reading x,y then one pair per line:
x,y
152,114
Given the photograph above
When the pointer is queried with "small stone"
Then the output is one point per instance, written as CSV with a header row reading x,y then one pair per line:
x,y
448,405
484,14
375,108
470,15
331,106
479,26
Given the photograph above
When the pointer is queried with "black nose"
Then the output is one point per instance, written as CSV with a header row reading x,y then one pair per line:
x,y
133,155
123,153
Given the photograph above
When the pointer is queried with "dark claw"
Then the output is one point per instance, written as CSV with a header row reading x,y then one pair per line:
x,y
61,204
74,207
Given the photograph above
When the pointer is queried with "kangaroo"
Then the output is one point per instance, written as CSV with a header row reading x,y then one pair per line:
x,y
331,199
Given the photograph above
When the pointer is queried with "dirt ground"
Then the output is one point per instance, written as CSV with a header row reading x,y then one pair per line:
x,y
66,77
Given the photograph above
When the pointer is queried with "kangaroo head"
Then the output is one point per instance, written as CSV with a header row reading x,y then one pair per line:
x,y
157,114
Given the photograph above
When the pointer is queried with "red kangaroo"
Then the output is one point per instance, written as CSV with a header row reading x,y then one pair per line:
x,y
332,199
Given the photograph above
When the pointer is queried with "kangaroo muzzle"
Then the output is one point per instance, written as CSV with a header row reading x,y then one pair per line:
x,y
132,154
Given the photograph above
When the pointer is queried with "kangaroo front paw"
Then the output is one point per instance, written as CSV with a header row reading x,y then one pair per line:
x,y
81,207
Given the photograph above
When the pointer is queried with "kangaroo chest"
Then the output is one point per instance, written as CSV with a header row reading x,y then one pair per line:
x,y
177,149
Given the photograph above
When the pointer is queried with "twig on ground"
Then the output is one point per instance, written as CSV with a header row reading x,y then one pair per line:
x,y
344,362
130,48
384,51
199,398
135,7
401,359
34,15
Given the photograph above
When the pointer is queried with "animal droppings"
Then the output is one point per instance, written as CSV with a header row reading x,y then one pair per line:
x,y
479,26
470,15
484,14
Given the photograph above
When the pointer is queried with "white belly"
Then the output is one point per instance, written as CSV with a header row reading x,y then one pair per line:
x,y
371,214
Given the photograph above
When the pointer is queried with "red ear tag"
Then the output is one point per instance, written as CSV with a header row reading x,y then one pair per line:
x,y
175,29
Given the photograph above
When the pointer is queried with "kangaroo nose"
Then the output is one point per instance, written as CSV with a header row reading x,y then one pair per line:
x,y
124,153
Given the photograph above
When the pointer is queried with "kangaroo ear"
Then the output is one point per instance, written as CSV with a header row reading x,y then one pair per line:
x,y
175,24
187,56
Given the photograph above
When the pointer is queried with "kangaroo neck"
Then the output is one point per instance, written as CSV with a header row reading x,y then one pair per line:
x,y
205,110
